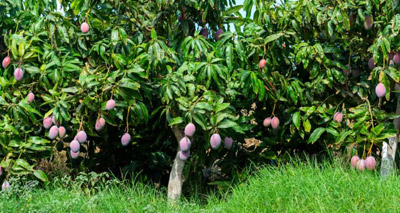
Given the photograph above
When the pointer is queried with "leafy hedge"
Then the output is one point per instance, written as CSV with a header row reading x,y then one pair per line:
x,y
150,57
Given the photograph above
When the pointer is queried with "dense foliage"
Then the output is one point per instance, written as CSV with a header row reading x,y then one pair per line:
x,y
164,71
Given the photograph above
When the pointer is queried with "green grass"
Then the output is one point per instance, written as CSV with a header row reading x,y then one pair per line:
x,y
322,188
292,188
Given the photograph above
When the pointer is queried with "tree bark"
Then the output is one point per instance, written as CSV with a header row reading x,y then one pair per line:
x,y
175,176
388,155
389,149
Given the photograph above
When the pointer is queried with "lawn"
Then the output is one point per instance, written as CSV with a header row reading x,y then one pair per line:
x,y
296,187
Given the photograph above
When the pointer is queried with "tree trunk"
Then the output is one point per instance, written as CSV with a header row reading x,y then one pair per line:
x,y
175,176
388,154
389,150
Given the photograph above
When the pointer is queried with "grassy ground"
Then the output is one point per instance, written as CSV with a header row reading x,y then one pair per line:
x,y
292,188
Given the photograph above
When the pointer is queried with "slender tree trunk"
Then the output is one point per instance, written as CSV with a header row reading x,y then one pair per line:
x,y
389,149
175,176
388,154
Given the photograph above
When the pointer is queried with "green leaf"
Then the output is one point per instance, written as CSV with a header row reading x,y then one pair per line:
x,y
316,134
385,134
393,73
38,140
70,90
123,34
221,107
330,28
307,125
233,9
144,112
238,129
153,34
332,131
32,70
63,32
229,56
23,164
226,124
21,49
296,119
40,175
114,37
292,94
385,46
128,83
378,129
202,105
176,121
343,136
200,120
14,50
273,37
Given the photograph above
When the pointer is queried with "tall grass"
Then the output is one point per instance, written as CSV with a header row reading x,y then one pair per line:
x,y
305,187
295,187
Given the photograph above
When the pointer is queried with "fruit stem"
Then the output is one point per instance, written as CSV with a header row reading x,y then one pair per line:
x,y
265,51
273,110
80,126
370,148
272,86
380,102
363,151
87,13
370,112
127,116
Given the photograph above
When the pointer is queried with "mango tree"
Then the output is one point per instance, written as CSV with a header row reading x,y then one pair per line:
x,y
65,74
338,64
111,80
76,78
